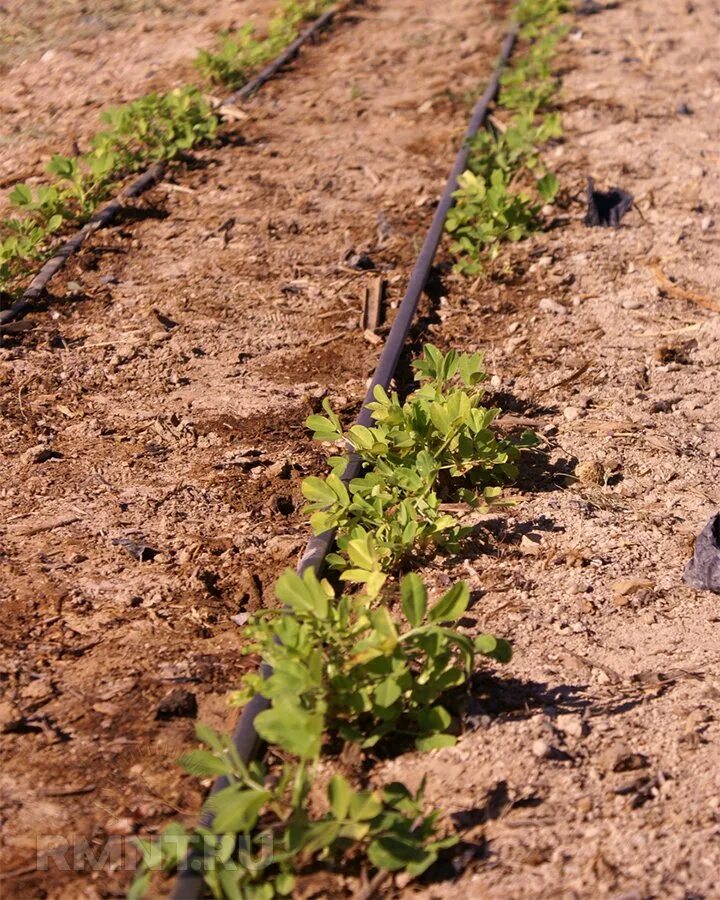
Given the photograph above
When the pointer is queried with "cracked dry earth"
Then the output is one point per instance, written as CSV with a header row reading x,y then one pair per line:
x,y
152,412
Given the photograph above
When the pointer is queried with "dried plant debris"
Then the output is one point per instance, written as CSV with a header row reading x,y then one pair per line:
x,y
606,208
703,570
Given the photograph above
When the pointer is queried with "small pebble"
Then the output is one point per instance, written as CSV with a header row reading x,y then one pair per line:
x,y
122,826
625,586
540,748
530,544
707,223
631,304
571,413
552,306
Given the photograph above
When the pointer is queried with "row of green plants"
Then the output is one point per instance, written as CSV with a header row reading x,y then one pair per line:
x,y
242,51
365,657
501,194
376,664
155,128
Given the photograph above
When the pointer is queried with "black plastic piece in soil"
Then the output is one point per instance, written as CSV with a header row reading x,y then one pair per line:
x,y
606,208
703,570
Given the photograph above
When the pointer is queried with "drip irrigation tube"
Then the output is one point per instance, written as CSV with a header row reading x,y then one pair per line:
x,y
152,176
287,56
189,884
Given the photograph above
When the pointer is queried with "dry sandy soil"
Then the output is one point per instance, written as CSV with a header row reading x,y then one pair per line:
x,y
153,441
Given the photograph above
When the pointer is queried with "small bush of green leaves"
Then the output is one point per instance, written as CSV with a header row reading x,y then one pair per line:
x,y
490,209
241,52
264,831
437,443
343,666
485,215
158,127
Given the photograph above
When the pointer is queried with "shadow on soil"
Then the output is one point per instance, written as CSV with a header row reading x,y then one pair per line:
x,y
498,698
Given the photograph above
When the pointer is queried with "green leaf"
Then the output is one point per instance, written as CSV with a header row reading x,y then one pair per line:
x,y
386,693
203,764
393,852
451,605
323,429
440,418
318,491
435,742
228,879
239,815
364,806
62,166
548,187
303,594
361,553
339,794
285,884
140,886
296,730
435,719
495,648
21,195
414,598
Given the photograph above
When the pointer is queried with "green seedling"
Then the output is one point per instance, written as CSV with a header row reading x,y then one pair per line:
x,y
264,830
340,665
438,443
158,127
500,196
241,52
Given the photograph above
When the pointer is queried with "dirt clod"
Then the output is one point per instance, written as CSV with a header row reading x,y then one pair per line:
x,y
178,703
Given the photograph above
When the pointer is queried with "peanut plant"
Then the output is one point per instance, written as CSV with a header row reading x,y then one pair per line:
x,y
500,196
264,831
341,669
344,668
241,52
154,128
343,665
158,127
436,444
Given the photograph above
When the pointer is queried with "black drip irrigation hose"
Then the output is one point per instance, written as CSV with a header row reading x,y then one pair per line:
x,y
248,743
152,176
287,56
